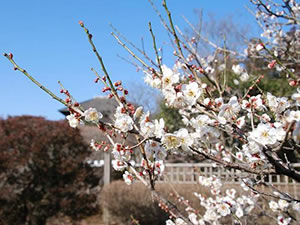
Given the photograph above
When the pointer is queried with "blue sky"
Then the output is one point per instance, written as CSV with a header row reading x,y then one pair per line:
x,y
47,41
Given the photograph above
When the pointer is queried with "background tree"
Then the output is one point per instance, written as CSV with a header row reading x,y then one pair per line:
x,y
43,172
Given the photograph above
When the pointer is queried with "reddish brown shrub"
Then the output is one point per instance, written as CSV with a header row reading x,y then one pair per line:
x,y
42,172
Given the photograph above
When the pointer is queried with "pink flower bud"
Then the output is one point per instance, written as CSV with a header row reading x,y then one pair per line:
x,y
272,64
118,83
293,83
106,148
81,23
122,98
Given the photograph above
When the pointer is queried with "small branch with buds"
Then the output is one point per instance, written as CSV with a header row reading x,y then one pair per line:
x,y
16,67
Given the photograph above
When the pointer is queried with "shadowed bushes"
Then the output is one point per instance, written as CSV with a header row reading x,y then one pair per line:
x,y
42,172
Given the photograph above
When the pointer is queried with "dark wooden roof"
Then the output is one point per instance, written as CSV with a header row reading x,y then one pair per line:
x,y
102,103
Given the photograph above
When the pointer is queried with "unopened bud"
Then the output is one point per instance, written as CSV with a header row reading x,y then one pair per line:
x,y
106,89
106,148
272,64
10,55
122,98
118,83
81,23
293,83
201,70
125,92
123,110
178,87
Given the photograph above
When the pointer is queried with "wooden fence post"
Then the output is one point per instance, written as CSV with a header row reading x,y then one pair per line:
x,y
107,169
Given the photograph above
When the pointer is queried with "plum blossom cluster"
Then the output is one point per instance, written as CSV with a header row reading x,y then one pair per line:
x,y
248,129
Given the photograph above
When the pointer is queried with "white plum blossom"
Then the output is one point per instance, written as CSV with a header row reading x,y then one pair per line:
x,y
283,221
239,156
240,122
239,212
153,81
200,121
226,156
283,104
173,98
244,77
193,218
185,138
296,97
128,178
73,121
224,209
280,132
254,103
277,105
238,69
171,141
191,92
180,221
231,193
154,150
265,118
119,165
147,128
236,81
259,47
283,204
95,146
292,115
219,102
211,215
159,127
252,147
124,122
230,109
138,112
169,77
159,167
273,206
264,134
170,222
92,115
296,206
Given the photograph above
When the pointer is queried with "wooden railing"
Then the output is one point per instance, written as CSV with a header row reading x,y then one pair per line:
x,y
190,172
